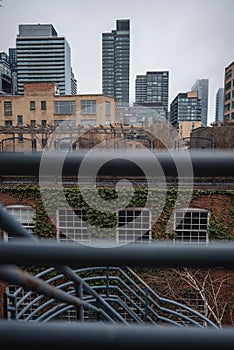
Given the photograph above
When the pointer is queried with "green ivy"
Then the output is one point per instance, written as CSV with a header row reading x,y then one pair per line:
x,y
220,228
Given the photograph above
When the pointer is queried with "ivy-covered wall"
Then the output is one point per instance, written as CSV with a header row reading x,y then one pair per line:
x,y
220,204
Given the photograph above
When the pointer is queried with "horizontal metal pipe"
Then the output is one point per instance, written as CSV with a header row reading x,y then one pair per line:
x,y
204,164
69,335
155,255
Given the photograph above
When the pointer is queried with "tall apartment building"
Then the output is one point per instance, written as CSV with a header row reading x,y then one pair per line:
x,y
5,74
42,55
229,93
152,89
116,62
185,113
202,87
219,103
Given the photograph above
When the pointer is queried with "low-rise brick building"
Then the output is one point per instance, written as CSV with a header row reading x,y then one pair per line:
x,y
28,121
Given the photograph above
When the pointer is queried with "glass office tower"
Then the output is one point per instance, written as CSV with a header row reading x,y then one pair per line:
x,y
202,87
219,103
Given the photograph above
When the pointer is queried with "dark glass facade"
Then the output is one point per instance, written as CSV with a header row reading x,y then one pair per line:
x,y
153,88
185,107
202,87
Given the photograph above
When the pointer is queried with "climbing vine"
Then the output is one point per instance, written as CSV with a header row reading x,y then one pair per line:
x,y
220,227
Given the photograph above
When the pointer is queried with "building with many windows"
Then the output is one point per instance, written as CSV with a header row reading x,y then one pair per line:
x,y
116,62
229,93
32,117
185,113
13,64
42,55
152,90
5,74
202,87
219,103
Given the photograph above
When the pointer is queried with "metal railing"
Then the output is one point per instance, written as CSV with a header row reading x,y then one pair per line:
x,y
108,332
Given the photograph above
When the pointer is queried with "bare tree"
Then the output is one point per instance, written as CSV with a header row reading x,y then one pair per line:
x,y
210,292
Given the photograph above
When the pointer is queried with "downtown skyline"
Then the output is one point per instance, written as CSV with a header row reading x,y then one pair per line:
x,y
196,45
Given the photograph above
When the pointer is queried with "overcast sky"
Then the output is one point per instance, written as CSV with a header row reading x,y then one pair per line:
x,y
191,39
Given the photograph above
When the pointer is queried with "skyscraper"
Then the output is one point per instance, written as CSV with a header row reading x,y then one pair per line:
x,y
219,102
202,87
5,74
42,55
13,64
115,62
152,89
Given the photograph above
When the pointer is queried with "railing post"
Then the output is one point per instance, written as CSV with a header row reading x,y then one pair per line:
x,y
79,309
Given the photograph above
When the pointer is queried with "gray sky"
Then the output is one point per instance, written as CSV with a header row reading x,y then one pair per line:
x,y
191,39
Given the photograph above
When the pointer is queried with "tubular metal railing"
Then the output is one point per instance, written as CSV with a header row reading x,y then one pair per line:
x,y
98,294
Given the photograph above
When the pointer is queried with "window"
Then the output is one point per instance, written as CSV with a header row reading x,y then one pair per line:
x,y
134,225
108,108
19,119
88,122
43,123
62,122
32,105
64,107
23,214
191,226
8,123
193,300
88,107
43,105
227,107
228,74
20,138
7,108
72,226
33,123
228,86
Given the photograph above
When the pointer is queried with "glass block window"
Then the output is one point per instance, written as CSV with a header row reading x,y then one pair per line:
x,y
191,226
64,107
23,214
134,225
88,106
72,226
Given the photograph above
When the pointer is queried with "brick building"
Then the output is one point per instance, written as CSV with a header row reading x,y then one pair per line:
x,y
33,117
